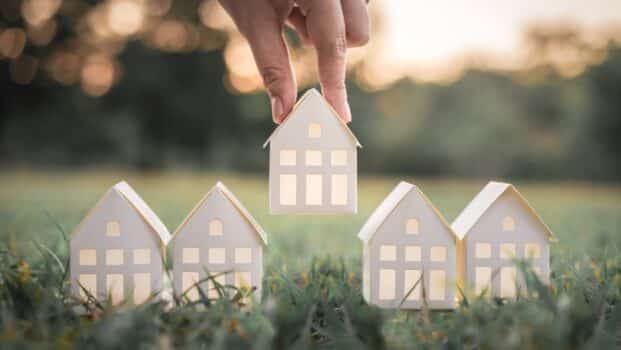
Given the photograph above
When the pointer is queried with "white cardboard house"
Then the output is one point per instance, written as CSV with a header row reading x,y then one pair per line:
x,y
405,240
118,249
495,228
218,238
313,161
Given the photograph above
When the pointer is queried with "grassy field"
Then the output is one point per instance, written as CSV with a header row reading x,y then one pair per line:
x,y
312,295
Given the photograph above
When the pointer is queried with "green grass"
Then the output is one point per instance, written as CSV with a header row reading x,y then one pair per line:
x,y
312,280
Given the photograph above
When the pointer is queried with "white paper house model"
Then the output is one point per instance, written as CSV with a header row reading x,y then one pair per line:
x,y
406,240
497,226
313,161
219,235
117,249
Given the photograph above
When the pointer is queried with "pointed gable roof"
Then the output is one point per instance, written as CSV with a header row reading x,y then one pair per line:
x,y
235,202
313,95
483,201
125,191
389,204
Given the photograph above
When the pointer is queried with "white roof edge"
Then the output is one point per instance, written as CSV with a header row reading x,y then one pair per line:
x,y
144,210
314,92
236,203
383,210
479,205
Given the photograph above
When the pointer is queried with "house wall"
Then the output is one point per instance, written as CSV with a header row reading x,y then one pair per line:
x,y
236,233
294,136
135,233
489,229
431,233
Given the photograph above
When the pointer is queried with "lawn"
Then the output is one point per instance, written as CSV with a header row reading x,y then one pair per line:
x,y
312,281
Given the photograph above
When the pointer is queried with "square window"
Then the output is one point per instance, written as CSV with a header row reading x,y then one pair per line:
x,y
508,224
314,189
532,251
388,253
190,255
142,287
386,284
412,253
217,255
508,278
188,281
287,157
88,282
483,250
243,279
142,256
339,190
411,227
88,257
215,227
288,189
338,158
411,278
113,229
115,288
314,130
438,253
212,292
437,281
243,255
482,277
313,158
507,251
114,257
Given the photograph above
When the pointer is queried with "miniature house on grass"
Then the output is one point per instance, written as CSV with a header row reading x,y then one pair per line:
x,y
408,248
118,248
218,238
497,227
313,161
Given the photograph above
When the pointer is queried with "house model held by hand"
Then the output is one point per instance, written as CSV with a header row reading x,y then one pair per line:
x,y
497,227
221,240
409,253
118,248
313,161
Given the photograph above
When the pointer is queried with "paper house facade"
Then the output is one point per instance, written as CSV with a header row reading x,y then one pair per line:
x,y
219,235
496,227
313,161
118,248
404,240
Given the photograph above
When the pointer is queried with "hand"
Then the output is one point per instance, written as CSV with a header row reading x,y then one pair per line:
x,y
331,26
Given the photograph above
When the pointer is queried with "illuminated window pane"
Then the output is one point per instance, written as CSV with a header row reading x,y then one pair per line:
x,y
188,280
339,190
388,253
412,253
287,157
338,158
483,250
190,255
314,130
88,282
532,251
215,227
113,229
438,253
483,277
115,288
411,227
313,158
142,287
142,256
507,282
411,278
114,257
243,279
243,255
88,257
288,189
507,251
314,189
212,292
217,255
387,284
437,281
508,224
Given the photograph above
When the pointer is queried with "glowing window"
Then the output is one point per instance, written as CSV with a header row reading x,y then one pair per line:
x,y
508,224
114,257
532,251
482,277
411,227
88,282
113,229
190,255
215,227
507,251
437,282
313,158
507,282
142,256
314,130
288,189
217,255
142,287
483,250
243,279
243,255
412,253
386,284
339,190
188,282
438,253
212,291
410,279
115,288
88,257
388,253
314,189
338,158
287,157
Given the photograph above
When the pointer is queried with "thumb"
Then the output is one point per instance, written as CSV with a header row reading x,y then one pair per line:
x,y
272,59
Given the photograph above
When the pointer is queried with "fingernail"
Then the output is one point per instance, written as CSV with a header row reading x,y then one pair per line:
x,y
277,109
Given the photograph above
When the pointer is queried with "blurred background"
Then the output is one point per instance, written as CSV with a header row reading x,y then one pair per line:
x,y
472,89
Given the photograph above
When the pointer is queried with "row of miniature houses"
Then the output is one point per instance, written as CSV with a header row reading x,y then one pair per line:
x,y
411,254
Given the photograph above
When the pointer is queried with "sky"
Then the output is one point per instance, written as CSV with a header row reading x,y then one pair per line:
x,y
426,38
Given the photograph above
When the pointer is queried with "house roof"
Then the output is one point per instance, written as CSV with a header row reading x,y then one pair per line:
x,y
236,203
483,201
127,192
389,204
313,95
